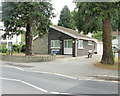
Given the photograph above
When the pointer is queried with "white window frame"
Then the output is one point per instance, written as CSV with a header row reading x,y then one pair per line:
x,y
53,42
90,43
68,43
80,44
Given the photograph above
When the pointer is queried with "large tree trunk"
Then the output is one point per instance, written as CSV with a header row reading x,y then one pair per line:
x,y
28,39
107,57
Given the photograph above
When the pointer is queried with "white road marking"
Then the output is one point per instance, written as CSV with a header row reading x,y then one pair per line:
x,y
31,85
61,74
9,79
41,89
39,72
64,93
55,92
64,75
13,67
19,68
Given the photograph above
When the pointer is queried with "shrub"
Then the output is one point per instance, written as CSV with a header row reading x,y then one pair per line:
x,y
3,48
23,49
17,48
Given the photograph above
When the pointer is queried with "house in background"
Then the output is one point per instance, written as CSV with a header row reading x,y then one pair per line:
x,y
14,39
99,44
115,42
64,41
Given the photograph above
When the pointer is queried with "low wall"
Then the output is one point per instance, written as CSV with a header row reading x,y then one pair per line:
x,y
28,59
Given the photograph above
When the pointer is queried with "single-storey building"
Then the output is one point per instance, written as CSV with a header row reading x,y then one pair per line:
x,y
63,41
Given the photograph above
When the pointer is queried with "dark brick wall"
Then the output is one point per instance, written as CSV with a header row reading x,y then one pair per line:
x,y
86,48
43,45
56,35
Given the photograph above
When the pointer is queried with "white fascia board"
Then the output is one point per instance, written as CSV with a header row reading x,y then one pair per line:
x,y
76,37
86,39
64,32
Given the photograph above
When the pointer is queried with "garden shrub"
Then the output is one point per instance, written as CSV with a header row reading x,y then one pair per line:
x,y
3,48
17,48
23,49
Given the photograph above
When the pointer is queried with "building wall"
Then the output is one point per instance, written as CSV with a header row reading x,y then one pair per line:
x,y
99,47
15,39
86,48
40,45
56,35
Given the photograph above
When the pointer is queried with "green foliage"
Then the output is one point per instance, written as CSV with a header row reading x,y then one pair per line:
x,y
113,37
17,48
3,48
32,16
73,13
98,35
89,15
65,18
112,55
23,49
17,14
97,16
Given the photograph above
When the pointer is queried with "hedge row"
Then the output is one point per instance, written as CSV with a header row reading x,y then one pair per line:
x,y
15,48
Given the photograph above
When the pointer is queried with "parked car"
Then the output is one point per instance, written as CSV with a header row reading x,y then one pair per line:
x,y
115,49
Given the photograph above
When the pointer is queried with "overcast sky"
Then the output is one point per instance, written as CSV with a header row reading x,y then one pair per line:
x,y
58,5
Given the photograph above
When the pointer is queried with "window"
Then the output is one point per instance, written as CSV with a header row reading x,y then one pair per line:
x,y
68,43
80,44
55,43
89,42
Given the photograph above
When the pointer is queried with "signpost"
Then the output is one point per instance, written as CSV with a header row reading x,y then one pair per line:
x,y
10,48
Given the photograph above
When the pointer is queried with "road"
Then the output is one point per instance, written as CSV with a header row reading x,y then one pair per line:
x,y
18,81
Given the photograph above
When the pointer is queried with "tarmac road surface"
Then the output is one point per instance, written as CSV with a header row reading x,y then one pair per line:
x,y
17,81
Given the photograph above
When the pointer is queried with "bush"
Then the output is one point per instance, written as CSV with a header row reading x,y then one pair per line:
x,y
3,48
17,48
23,49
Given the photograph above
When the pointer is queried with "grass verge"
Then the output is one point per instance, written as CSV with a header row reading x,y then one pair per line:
x,y
115,66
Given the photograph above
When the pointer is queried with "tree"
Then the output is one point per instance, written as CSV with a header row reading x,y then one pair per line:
x,y
98,35
28,15
96,16
65,18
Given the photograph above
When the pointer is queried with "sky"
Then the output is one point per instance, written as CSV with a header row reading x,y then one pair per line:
x,y
58,5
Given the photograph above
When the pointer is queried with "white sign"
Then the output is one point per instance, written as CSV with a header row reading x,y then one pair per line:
x,y
9,46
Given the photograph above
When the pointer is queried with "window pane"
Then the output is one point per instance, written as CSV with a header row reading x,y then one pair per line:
x,y
80,43
55,43
69,44
65,44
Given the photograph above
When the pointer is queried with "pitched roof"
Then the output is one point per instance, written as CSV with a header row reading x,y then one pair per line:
x,y
115,33
71,33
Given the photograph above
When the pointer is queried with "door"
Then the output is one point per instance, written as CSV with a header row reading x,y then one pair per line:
x,y
67,46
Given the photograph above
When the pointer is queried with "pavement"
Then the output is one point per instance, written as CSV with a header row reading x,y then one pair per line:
x,y
76,67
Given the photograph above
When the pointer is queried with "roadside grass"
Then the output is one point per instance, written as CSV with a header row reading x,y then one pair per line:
x,y
115,66
3,53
